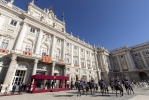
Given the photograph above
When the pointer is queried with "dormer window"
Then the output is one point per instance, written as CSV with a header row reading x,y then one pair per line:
x,y
32,30
13,22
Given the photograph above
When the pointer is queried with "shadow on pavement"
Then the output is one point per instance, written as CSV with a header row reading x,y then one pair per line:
x,y
63,95
100,95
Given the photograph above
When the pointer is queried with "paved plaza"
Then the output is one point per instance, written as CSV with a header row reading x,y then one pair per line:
x,y
140,94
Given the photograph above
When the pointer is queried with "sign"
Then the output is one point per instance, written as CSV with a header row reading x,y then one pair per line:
x,y
46,59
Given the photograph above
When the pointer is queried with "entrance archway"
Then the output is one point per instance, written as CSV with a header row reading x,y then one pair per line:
x,y
143,76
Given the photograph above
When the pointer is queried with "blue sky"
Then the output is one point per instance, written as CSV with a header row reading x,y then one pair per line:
x,y
108,23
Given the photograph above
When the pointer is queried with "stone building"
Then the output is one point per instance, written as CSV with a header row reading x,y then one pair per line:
x,y
26,37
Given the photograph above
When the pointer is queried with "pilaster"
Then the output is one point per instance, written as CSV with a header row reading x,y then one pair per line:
x,y
37,50
35,67
53,46
64,48
72,63
53,67
119,63
21,37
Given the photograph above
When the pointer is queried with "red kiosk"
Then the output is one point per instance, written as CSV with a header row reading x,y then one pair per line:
x,y
34,79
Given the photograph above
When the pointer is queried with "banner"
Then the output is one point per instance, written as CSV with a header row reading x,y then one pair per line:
x,y
46,59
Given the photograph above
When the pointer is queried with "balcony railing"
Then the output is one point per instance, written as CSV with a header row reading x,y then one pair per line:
x,y
83,66
61,60
76,65
69,64
3,51
27,53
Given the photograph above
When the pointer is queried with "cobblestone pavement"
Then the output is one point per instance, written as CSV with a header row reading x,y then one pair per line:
x,y
140,94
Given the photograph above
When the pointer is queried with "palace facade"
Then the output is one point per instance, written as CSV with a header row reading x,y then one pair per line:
x,y
36,42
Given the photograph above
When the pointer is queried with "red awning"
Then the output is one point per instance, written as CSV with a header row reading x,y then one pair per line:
x,y
48,77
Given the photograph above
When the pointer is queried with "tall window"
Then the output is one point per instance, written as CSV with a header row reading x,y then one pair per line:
x,y
57,57
67,60
28,48
13,22
43,53
81,50
75,47
82,64
75,62
58,40
32,30
4,44
67,44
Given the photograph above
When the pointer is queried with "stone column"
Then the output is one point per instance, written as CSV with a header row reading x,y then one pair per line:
x,y
79,63
21,37
53,47
72,63
10,73
35,67
65,68
112,66
119,63
64,48
144,61
101,61
131,65
53,67
37,50
132,61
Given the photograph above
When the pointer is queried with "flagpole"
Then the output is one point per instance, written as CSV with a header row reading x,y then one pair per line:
x,y
63,17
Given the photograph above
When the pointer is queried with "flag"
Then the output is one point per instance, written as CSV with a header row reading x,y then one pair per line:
x,y
63,15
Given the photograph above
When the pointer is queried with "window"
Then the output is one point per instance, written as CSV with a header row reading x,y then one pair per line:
x,y
28,49
92,54
147,52
32,30
4,45
136,54
87,52
67,44
43,53
75,47
58,40
81,50
88,65
13,22
67,60
82,64
57,57
75,62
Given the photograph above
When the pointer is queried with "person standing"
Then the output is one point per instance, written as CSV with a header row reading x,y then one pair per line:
x,y
20,88
13,89
0,87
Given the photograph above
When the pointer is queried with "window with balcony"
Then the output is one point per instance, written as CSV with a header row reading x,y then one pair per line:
x,y
75,62
13,22
32,30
